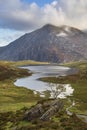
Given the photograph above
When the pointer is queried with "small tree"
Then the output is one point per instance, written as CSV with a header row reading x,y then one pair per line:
x,y
56,89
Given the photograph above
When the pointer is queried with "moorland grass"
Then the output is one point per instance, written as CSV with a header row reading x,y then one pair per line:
x,y
12,97
15,100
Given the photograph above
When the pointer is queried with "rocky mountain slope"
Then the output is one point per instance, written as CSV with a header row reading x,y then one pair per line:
x,y
49,43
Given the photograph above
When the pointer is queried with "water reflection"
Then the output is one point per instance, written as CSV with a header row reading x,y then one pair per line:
x,y
33,83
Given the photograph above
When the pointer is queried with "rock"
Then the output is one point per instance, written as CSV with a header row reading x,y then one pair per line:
x,y
44,111
34,112
55,107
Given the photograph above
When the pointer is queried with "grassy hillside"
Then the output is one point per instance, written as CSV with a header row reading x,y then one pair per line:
x,y
12,97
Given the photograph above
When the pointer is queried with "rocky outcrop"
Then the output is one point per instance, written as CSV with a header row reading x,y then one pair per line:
x,y
34,112
44,111
54,108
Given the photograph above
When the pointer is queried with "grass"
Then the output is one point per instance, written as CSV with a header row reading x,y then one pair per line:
x,y
60,121
13,98
78,82
28,62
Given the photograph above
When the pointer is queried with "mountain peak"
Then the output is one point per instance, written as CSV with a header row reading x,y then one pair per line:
x,y
49,27
49,43
54,26
63,29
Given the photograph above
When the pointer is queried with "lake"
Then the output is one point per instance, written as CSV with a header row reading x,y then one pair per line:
x,y
36,85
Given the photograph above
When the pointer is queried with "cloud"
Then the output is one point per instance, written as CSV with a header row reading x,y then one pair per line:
x,y
76,12
7,36
15,14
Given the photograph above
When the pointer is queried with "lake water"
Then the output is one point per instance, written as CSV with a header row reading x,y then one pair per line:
x,y
36,85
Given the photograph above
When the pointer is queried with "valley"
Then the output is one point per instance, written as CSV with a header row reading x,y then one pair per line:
x,y
15,101
43,65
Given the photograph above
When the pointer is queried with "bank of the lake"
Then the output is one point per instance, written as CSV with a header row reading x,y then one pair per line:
x,y
41,71
14,98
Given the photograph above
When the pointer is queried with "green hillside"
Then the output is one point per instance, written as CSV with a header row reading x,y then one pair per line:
x,y
12,97
15,101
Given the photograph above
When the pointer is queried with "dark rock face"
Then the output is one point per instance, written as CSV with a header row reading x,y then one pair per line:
x,y
44,111
49,43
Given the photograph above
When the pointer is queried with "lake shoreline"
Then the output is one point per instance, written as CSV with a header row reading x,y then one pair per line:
x,y
35,84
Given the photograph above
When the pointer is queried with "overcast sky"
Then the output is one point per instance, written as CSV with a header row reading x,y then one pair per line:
x,y
20,16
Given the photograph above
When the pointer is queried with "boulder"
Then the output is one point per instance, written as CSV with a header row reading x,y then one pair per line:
x,y
34,112
44,111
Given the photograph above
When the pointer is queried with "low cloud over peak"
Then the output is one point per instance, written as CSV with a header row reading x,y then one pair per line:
x,y
18,15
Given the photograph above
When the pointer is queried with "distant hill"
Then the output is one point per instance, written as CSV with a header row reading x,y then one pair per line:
x,y
49,43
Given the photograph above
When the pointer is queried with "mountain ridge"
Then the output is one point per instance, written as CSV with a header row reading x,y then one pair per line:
x,y
49,43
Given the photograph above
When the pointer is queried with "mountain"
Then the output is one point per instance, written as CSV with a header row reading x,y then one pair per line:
x,y
49,43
